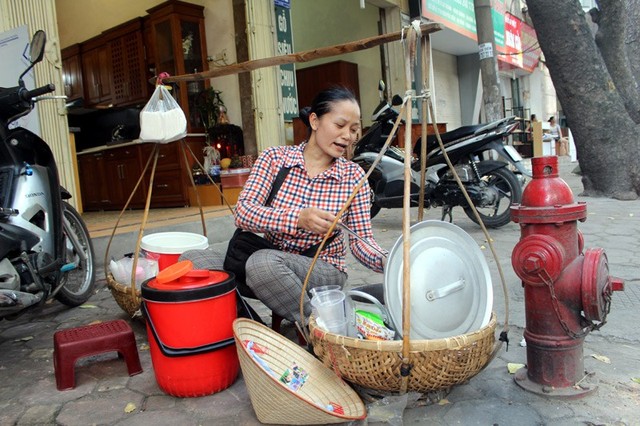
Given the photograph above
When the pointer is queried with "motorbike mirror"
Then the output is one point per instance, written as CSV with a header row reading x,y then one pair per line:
x,y
396,100
36,52
381,92
37,46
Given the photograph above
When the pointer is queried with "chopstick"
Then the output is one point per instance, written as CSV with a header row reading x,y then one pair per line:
x,y
346,229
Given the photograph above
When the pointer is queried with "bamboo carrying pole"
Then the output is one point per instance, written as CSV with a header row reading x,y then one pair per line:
x,y
305,56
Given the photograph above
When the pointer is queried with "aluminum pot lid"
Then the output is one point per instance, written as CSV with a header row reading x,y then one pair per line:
x,y
451,291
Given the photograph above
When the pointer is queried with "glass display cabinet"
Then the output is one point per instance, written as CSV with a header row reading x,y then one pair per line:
x,y
175,32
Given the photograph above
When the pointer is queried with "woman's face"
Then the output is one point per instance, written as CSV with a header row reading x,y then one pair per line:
x,y
337,129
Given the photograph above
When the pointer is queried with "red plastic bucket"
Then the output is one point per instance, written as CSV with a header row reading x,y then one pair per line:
x,y
166,247
189,315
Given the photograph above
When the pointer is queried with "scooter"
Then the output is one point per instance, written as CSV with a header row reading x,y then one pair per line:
x,y
45,248
491,185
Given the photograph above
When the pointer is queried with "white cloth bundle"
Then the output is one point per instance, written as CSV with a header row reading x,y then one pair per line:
x,y
162,120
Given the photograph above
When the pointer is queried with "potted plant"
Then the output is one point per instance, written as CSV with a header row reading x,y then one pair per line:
x,y
208,104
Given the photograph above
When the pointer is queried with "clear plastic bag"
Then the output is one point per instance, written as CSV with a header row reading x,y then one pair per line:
x,y
145,269
162,120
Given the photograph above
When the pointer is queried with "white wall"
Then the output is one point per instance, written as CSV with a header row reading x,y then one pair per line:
x,y
446,89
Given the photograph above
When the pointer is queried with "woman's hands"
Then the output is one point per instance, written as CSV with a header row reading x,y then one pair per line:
x,y
315,220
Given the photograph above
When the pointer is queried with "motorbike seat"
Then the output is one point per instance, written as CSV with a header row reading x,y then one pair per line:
x,y
455,134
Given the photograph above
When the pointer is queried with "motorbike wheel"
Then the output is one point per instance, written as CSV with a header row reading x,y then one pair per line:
x,y
509,192
77,284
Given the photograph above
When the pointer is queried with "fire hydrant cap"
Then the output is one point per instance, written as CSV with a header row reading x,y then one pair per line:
x,y
596,285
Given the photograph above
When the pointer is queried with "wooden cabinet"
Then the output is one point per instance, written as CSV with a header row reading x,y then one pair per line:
x,y
96,74
169,183
93,188
72,72
108,177
128,64
122,171
177,45
312,80
113,66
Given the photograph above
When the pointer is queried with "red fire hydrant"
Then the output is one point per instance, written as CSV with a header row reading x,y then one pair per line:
x,y
567,291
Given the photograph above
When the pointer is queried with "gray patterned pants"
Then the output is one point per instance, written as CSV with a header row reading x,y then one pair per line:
x,y
276,277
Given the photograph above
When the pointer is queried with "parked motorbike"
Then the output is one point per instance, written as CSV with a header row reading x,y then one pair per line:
x,y
491,185
45,249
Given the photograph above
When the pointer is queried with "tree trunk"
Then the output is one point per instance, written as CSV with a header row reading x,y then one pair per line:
x,y
632,37
606,137
610,17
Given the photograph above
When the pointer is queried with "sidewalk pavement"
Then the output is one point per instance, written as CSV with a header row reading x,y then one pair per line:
x,y
103,391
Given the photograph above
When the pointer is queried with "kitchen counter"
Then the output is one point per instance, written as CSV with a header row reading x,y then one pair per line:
x,y
111,146
126,143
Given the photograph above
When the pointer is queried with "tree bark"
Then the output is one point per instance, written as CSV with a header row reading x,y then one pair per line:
x,y
632,37
610,17
606,137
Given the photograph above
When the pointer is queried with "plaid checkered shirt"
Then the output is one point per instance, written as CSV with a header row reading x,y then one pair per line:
x,y
328,191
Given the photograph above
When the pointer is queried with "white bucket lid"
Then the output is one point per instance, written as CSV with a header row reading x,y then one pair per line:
x,y
173,242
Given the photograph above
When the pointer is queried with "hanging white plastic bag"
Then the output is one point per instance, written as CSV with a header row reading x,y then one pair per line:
x,y
162,120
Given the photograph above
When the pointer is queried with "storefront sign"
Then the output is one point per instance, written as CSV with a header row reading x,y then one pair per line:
x,y
513,41
531,49
516,42
460,16
287,71
283,3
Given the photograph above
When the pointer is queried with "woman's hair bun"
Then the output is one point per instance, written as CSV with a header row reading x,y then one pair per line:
x,y
304,115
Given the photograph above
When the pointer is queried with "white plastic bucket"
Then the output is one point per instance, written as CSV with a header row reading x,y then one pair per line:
x,y
166,247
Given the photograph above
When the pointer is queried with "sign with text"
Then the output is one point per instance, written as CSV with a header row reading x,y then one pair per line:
x,y
516,42
460,16
513,41
287,71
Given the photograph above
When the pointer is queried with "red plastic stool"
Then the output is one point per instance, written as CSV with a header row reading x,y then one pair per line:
x,y
73,343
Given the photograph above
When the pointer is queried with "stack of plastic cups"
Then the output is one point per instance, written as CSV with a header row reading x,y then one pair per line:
x,y
330,308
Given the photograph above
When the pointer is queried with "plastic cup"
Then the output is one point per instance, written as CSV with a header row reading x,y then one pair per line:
x,y
338,328
322,288
317,290
330,307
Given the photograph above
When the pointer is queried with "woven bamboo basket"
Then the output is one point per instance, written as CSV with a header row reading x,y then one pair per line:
x,y
125,298
436,364
272,400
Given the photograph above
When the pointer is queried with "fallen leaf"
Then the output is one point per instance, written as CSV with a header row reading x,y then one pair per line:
x,y
24,339
482,247
131,407
95,322
87,306
513,367
635,379
144,347
601,358
383,230
444,401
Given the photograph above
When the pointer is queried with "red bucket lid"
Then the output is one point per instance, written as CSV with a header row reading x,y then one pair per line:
x,y
180,282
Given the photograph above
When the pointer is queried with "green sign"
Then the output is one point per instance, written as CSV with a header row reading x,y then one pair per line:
x,y
287,71
460,16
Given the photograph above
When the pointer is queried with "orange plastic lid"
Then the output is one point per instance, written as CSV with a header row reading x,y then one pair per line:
x,y
174,272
